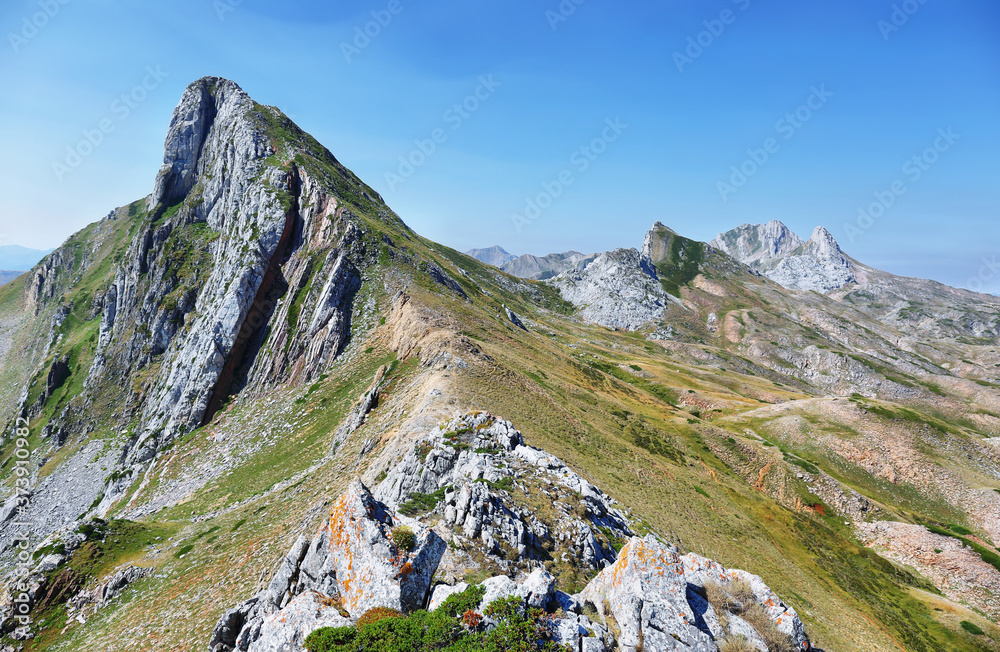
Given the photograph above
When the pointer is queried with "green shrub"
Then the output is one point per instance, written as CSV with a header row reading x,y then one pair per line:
x,y
330,638
972,628
375,615
452,627
422,503
458,603
404,538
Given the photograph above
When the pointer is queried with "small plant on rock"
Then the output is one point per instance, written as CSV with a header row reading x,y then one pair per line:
x,y
760,620
741,590
404,539
471,619
377,614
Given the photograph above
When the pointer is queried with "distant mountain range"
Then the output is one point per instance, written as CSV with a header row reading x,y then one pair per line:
x,y
7,277
495,255
20,259
537,268
770,249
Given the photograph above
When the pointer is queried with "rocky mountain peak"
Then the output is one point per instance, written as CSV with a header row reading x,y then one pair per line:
x,y
655,236
824,242
753,243
773,250
207,102
495,255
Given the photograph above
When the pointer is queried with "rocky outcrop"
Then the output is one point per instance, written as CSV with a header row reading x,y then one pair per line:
x,y
816,264
357,561
645,592
477,473
619,289
647,597
956,569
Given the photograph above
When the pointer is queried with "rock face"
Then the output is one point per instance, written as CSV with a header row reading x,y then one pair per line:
x,y
646,593
619,289
240,274
657,598
353,564
480,465
816,264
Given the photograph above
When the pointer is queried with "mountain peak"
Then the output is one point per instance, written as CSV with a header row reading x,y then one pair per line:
x,y
495,255
775,251
205,102
825,241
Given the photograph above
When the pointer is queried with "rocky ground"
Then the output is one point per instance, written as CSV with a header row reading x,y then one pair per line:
x,y
467,478
954,568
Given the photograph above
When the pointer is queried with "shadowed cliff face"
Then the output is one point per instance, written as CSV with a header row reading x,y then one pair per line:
x,y
240,273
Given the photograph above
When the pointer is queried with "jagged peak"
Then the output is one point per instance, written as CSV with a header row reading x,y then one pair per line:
x,y
825,241
203,103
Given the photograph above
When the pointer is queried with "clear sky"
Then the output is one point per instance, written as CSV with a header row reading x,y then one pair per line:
x,y
645,107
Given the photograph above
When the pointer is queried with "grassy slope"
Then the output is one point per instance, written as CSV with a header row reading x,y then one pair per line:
x,y
608,403
573,390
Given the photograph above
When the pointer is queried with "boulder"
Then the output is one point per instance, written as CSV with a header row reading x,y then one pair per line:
x,y
286,630
371,570
645,593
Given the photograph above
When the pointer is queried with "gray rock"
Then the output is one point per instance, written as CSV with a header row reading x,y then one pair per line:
x,y
646,593
442,592
350,566
816,264
286,630
619,289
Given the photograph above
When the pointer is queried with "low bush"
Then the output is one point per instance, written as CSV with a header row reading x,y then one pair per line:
x,y
454,627
404,538
330,638
972,628
377,614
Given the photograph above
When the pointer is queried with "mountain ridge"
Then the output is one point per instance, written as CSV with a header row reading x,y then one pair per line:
x,y
205,372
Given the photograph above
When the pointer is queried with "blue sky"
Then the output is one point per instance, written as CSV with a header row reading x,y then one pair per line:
x,y
686,115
